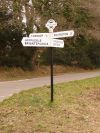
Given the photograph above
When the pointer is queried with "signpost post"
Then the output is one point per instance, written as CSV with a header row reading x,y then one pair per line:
x,y
48,40
51,24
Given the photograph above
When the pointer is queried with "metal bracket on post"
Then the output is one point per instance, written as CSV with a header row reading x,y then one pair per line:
x,y
50,25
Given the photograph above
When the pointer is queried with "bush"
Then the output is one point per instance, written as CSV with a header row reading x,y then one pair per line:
x,y
94,52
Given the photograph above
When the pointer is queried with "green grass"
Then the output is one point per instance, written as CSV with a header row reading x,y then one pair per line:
x,y
32,112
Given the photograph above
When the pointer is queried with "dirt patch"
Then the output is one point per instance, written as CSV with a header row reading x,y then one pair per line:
x,y
90,110
94,95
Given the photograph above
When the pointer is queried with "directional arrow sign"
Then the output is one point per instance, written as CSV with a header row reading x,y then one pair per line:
x,y
35,42
61,34
57,43
42,42
37,35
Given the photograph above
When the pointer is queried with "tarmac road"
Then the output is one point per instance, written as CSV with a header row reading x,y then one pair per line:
x,y
8,88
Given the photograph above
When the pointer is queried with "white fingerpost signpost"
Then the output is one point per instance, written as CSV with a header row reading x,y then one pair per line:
x,y
48,40
50,25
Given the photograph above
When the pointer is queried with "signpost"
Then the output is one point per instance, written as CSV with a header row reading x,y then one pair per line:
x,y
48,40
51,24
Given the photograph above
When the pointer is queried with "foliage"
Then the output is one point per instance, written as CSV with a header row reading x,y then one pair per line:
x,y
12,53
81,52
94,52
82,18
69,16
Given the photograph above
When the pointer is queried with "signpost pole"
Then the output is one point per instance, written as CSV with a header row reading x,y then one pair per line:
x,y
52,89
51,24
51,54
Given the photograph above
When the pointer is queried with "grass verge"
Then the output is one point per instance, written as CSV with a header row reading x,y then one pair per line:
x,y
76,108
18,73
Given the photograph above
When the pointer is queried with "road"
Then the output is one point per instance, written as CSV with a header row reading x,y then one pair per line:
x,y
8,88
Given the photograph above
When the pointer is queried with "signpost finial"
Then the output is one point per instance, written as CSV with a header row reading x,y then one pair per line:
x,y
51,24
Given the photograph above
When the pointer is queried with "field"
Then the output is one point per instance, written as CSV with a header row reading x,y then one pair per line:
x,y
76,109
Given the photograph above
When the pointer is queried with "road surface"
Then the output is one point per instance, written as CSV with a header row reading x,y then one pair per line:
x,y
8,88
